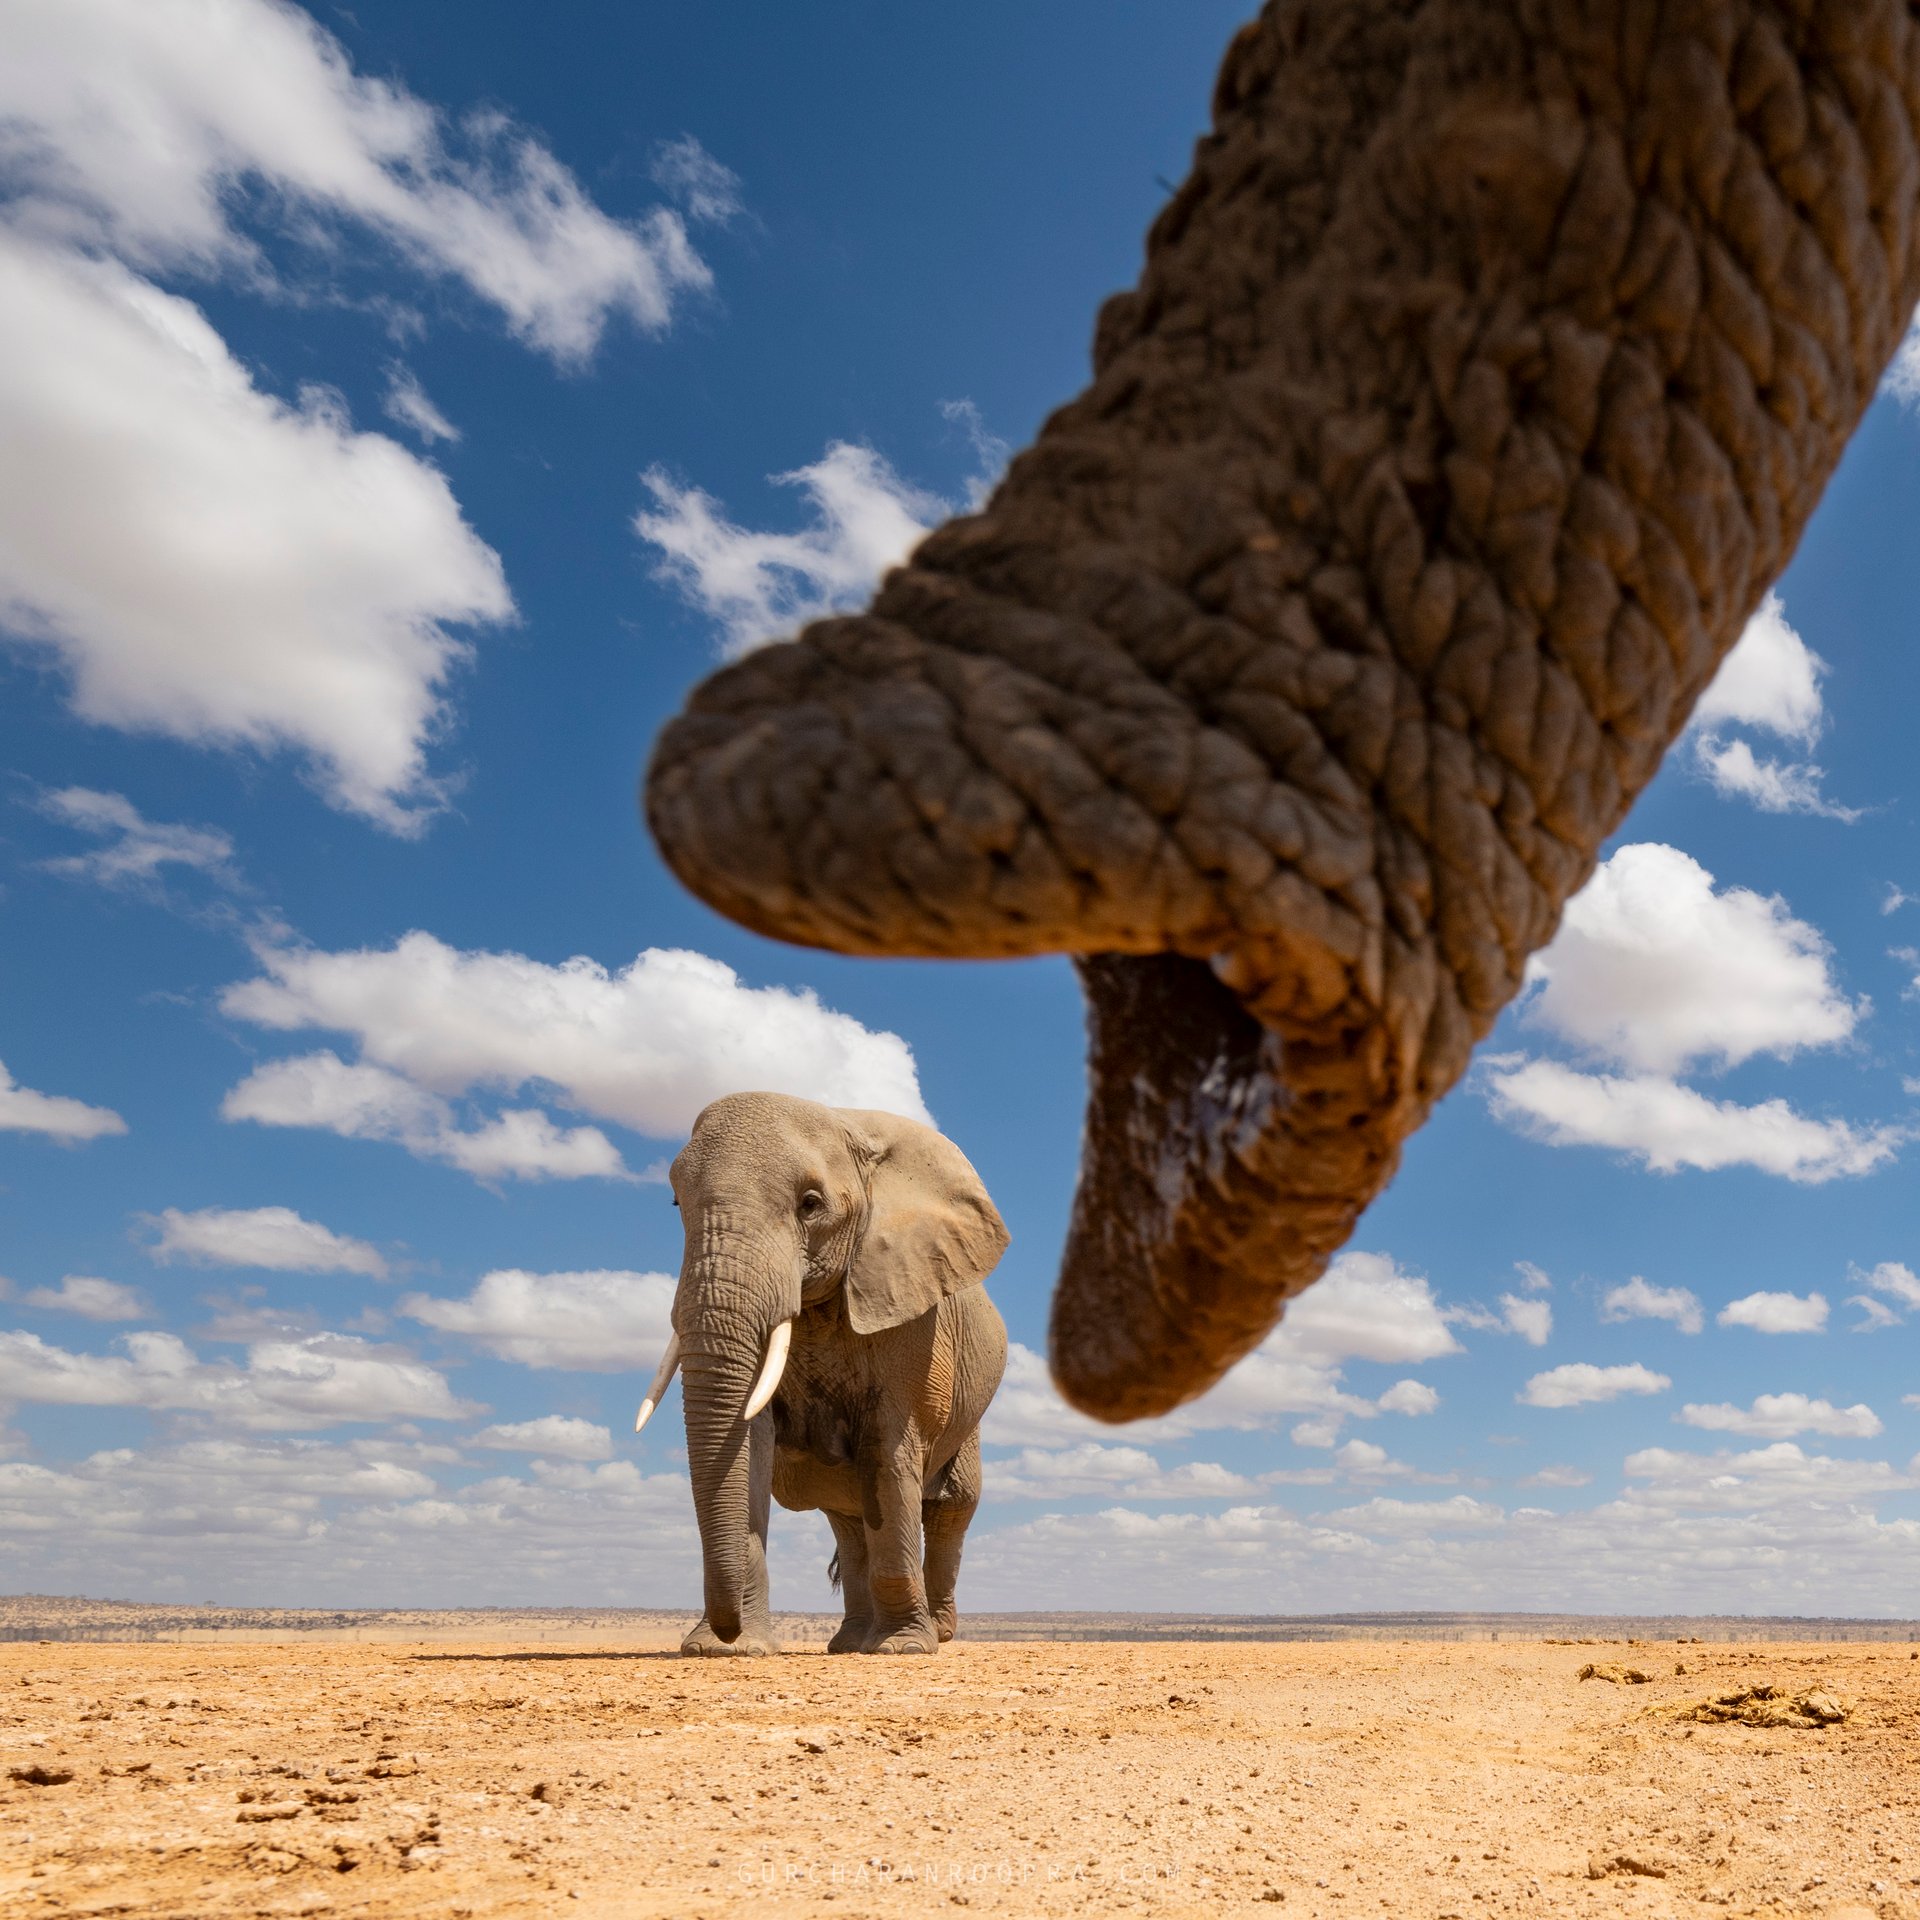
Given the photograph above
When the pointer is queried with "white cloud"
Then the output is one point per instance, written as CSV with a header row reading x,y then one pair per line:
x,y
1777,1313
1365,1308
1581,1384
315,1381
275,1238
685,171
1406,1396
1655,970
364,1522
1897,1282
1533,1279
137,848
1066,1473
1382,1515
1667,1126
756,587
1558,1476
130,123
1895,898
646,1047
1637,1299
1323,1431
54,1114
1875,1315
1532,1320
360,1102
1771,680
1736,772
1767,1477
865,518
1779,1416
90,1298
209,563
556,1435
597,1321
406,403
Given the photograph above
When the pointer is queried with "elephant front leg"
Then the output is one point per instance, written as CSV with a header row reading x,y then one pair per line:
x,y
902,1622
850,1551
756,1615
945,1516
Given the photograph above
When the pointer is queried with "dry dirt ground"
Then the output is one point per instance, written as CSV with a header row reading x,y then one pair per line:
x,y
1024,1779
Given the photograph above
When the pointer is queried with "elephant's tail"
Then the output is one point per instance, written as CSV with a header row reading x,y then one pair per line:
x,y
833,1571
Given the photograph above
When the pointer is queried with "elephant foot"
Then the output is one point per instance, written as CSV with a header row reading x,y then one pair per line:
x,y
852,1636
756,1640
945,1619
920,1637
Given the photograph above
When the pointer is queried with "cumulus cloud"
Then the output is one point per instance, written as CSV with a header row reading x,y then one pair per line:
x,y
556,1435
91,1298
137,850
1065,1473
361,1102
368,1521
1655,970
687,173
1409,1396
646,1047
1736,772
1637,1299
1891,1278
405,402
864,518
1581,1384
597,1321
1666,1126
275,1238
54,1114
1779,1416
207,562
316,1381
130,123
1769,682
1366,1308
1383,1515
1528,1316
1777,1313
1767,1477
756,587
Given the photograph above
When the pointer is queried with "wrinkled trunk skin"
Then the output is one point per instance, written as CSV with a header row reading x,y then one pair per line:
x,y
724,1311
1481,377
714,1387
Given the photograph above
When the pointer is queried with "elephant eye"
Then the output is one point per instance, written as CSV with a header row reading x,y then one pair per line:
x,y
812,1204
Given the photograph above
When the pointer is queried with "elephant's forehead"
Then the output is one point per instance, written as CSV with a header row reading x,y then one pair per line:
x,y
757,1131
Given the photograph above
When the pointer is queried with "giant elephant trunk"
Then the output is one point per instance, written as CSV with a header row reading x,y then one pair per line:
x,y
1481,377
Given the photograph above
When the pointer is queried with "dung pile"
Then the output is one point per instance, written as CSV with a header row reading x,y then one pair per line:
x,y
1766,1706
1612,1671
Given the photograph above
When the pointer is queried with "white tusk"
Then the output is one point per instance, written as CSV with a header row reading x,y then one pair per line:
x,y
661,1382
771,1368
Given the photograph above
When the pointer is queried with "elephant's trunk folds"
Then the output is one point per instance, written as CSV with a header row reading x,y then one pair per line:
x,y
1481,377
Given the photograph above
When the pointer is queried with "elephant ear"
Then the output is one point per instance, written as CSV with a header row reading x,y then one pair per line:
x,y
931,1229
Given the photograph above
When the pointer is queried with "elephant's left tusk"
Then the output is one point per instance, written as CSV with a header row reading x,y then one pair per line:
x,y
771,1368
661,1381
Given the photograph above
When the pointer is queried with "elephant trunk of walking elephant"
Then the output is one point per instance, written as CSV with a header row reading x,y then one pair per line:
x,y
1481,377
728,1314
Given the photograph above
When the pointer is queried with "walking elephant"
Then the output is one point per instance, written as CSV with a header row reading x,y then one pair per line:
x,y
1481,377
837,1351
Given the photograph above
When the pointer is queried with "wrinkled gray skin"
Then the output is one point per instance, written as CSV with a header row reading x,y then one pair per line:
x,y
872,1233
1481,376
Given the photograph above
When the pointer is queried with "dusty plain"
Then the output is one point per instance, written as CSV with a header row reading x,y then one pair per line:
x,y
479,1781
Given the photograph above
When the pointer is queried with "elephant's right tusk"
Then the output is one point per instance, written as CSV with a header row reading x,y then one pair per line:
x,y
771,1368
669,1361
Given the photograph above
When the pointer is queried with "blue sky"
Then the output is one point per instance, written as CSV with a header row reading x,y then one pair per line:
x,y
404,419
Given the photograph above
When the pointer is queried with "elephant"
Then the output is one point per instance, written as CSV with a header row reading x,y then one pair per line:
x,y
1481,378
837,1350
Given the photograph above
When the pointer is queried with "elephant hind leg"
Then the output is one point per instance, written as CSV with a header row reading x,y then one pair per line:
x,y
848,1571
945,1516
